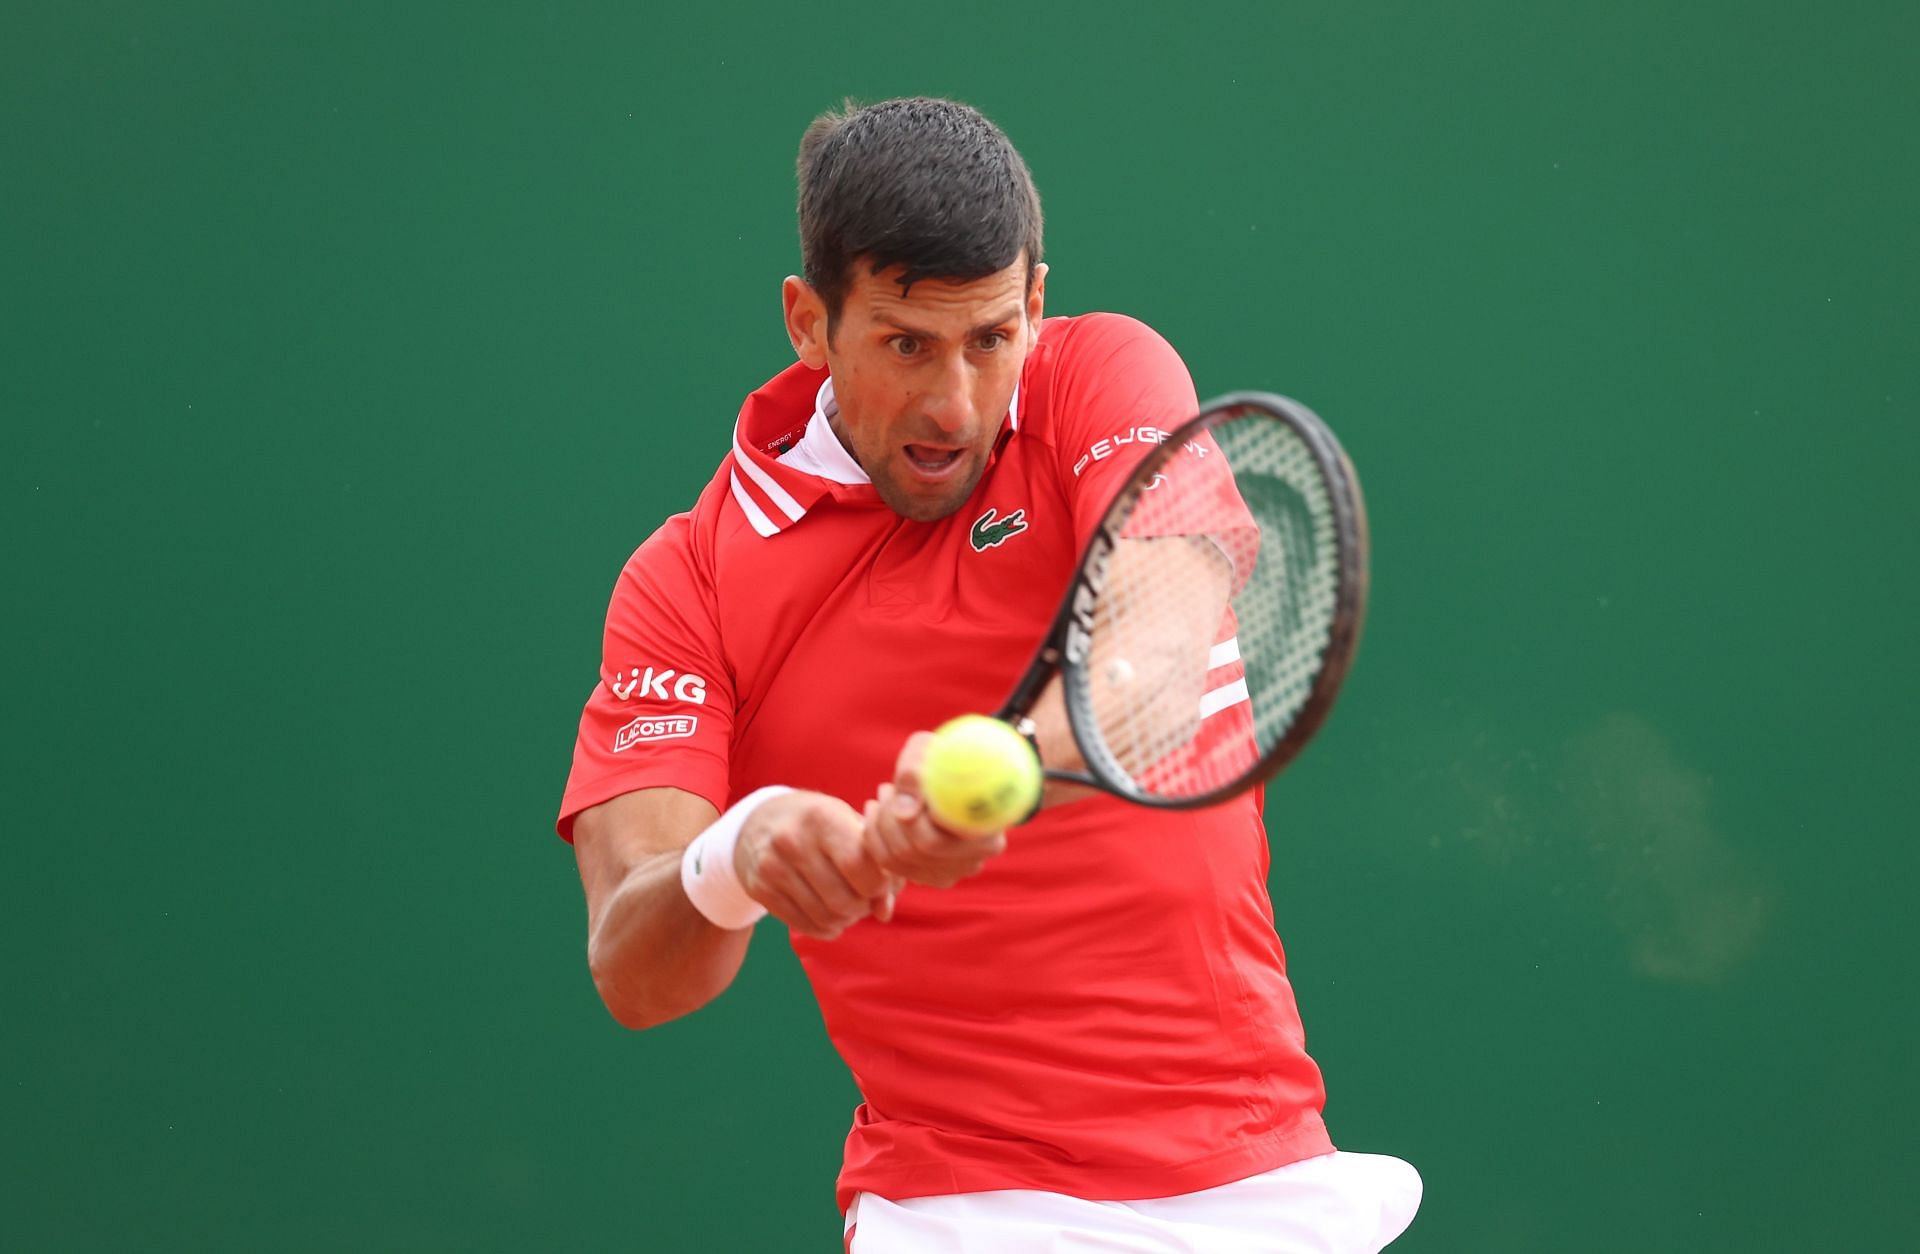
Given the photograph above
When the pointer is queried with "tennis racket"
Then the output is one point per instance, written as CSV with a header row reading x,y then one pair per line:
x,y
1214,612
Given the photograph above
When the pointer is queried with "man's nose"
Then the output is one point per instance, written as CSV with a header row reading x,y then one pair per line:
x,y
949,402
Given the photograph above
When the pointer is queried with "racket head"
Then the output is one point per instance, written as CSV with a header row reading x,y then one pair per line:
x,y
1255,491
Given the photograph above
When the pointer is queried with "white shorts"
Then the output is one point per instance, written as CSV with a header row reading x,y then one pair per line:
x,y
1337,1203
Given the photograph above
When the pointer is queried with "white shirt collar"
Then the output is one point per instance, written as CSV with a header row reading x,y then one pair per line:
x,y
819,451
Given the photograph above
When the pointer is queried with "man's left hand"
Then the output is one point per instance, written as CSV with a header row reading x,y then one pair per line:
x,y
905,840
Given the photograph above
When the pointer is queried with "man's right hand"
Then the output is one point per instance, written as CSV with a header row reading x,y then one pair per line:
x,y
803,856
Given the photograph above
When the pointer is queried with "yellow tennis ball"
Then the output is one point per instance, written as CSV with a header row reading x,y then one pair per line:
x,y
979,775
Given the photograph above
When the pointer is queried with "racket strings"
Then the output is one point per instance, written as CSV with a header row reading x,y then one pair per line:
x,y
1218,609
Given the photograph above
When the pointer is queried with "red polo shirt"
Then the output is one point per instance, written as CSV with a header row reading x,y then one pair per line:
x,y
1104,1010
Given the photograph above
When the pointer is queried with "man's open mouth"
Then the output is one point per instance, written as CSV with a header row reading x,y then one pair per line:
x,y
930,459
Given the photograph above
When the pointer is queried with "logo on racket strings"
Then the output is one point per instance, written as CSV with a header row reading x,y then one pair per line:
x,y
1086,595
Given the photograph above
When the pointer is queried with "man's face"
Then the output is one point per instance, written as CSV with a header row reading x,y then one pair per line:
x,y
923,378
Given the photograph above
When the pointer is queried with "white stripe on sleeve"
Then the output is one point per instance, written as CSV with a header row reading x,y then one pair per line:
x,y
1222,697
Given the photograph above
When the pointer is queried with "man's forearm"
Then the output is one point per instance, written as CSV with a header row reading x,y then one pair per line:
x,y
653,956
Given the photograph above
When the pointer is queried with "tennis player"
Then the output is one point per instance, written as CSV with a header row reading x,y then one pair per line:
x,y
1082,1036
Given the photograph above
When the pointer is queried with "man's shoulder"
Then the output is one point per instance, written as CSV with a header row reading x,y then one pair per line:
x,y
1079,358
667,555
1091,344
681,548
771,419
1101,328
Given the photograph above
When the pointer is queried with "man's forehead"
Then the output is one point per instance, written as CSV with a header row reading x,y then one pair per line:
x,y
883,296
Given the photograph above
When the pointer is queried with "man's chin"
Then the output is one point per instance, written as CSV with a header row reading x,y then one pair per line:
x,y
925,504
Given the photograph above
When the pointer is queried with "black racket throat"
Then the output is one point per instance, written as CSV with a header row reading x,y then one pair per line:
x,y
1025,726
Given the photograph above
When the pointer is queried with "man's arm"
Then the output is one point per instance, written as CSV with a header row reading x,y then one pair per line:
x,y
654,957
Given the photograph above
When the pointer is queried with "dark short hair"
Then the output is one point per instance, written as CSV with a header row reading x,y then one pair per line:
x,y
928,185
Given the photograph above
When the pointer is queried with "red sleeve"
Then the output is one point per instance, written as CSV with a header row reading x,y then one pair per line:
x,y
1117,390
662,713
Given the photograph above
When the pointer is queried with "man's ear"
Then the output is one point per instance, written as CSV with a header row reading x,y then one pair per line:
x,y
806,317
1037,299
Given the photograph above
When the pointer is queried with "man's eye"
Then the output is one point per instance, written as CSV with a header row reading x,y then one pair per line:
x,y
992,340
905,345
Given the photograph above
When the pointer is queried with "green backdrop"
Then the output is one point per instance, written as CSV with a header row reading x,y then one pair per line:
x,y
347,350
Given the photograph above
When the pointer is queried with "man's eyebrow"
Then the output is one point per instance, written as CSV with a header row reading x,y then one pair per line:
x,y
994,324
919,333
916,332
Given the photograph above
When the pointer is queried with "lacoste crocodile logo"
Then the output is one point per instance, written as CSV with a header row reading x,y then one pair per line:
x,y
989,532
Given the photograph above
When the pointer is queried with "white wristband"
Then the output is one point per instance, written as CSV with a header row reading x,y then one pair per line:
x,y
706,868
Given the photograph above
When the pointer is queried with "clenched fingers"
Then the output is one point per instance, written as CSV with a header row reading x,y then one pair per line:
x,y
907,843
804,857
